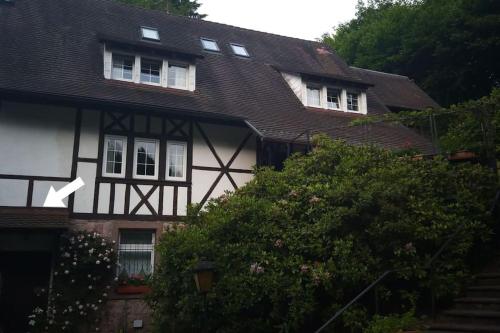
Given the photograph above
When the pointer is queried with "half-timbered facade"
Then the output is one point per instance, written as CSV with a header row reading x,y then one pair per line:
x,y
155,113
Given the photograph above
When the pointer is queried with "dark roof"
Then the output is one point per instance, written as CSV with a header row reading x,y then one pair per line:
x,y
33,218
396,91
54,47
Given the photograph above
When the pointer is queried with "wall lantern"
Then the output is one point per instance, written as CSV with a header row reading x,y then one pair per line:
x,y
204,276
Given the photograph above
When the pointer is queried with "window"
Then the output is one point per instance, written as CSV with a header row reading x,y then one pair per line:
x,y
150,71
115,150
123,67
313,97
209,45
239,50
352,101
146,159
176,160
333,98
177,76
136,252
150,33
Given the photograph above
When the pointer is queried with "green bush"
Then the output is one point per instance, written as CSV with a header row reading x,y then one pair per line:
x,y
292,247
392,323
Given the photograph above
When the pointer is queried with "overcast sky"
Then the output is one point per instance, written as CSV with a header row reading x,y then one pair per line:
x,y
303,19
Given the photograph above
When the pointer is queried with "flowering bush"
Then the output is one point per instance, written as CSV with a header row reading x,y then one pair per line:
x,y
292,247
83,275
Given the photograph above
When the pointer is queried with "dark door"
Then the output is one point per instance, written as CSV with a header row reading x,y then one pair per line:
x,y
21,273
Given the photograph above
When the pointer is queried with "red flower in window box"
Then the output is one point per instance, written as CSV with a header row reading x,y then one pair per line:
x,y
132,290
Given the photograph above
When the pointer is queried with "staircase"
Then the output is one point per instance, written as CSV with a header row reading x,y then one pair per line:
x,y
478,311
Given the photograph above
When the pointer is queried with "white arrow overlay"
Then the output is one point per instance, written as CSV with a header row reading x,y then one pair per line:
x,y
55,198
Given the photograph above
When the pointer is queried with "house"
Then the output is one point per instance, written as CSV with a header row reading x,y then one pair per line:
x,y
155,112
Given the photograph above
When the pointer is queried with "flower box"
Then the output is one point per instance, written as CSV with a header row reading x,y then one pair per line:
x,y
462,155
132,290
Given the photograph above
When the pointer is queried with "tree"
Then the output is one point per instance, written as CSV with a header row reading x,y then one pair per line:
x,y
450,48
292,247
187,8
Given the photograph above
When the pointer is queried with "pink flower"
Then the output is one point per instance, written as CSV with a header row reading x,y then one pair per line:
x,y
314,199
279,243
304,268
256,268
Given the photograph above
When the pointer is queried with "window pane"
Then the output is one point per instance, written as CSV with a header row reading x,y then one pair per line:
x,y
333,98
177,76
150,71
313,97
136,237
122,67
146,158
352,101
209,45
150,33
114,153
239,50
176,157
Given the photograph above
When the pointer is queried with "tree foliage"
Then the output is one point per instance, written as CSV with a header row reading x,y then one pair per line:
x,y
292,247
187,8
450,48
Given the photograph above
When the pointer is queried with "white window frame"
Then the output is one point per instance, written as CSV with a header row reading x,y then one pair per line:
x,y
157,154
341,98
105,157
357,93
319,89
137,247
162,72
134,64
136,70
184,165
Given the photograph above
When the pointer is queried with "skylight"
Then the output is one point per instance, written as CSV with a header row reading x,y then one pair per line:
x,y
150,33
209,45
239,50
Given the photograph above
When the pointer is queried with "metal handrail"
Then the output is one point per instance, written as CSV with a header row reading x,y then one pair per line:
x,y
388,272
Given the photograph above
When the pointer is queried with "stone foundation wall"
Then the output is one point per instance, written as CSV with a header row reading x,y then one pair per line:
x,y
123,310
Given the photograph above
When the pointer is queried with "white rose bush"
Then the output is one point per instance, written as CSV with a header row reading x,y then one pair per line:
x,y
83,276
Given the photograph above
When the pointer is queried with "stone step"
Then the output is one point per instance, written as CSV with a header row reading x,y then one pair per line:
x,y
484,291
488,279
456,328
477,303
472,317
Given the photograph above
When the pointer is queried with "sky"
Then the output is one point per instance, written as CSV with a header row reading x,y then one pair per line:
x,y
308,19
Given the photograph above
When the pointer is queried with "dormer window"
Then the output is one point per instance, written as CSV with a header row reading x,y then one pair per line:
x,y
150,34
177,76
150,71
313,96
209,45
240,50
333,98
352,101
123,67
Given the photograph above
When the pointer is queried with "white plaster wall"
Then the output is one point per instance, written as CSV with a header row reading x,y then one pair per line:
x,y
104,193
13,192
182,201
168,200
89,134
41,189
36,139
84,197
295,83
119,207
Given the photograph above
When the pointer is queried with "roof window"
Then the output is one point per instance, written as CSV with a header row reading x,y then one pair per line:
x,y
150,33
209,45
239,50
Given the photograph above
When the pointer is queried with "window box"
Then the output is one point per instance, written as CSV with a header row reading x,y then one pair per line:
x,y
132,290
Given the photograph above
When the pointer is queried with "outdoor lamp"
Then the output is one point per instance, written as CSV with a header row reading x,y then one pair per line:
x,y
204,276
